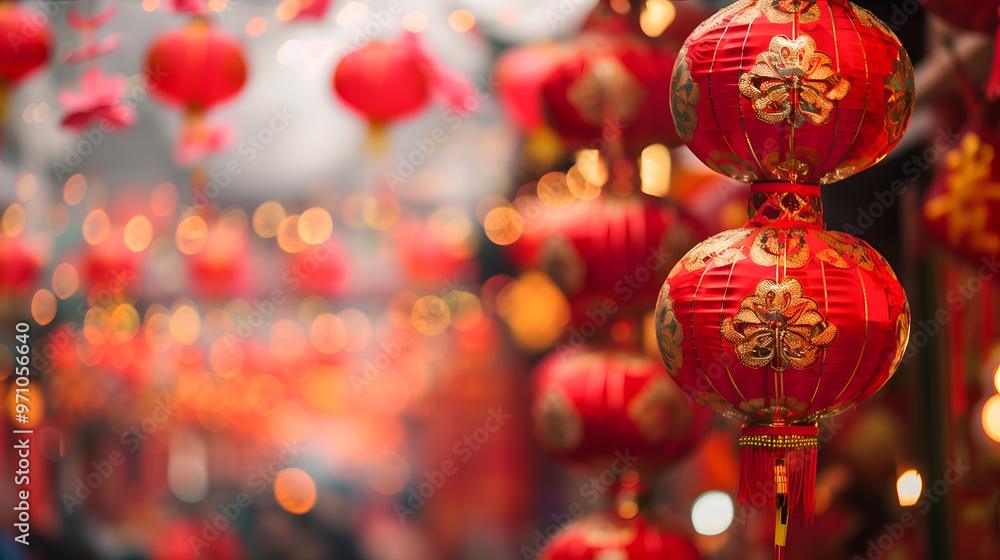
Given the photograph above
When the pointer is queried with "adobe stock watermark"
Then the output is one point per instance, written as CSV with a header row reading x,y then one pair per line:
x,y
424,148
131,439
913,169
257,482
248,149
464,449
894,532
89,141
591,491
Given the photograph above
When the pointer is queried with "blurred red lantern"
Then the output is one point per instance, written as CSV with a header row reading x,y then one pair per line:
x,y
434,252
27,37
110,267
196,67
520,72
780,91
962,204
19,272
596,408
613,248
323,269
221,270
603,537
185,538
387,81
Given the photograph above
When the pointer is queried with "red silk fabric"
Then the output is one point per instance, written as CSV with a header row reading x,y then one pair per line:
x,y
809,92
781,321
602,536
594,408
195,67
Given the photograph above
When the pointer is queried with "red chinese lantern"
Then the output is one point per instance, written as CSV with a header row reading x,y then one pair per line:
x,y
600,536
597,408
196,67
962,204
778,91
19,273
609,89
388,81
221,270
780,323
612,249
27,38
520,73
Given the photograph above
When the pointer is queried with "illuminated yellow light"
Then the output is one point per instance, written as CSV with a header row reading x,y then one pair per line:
x,y
991,417
328,333
226,357
96,227
256,26
628,509
26,187
265,394
503,225
75,189
43,307
712,513
138,233
351,13
287,10
580,186
462,20
124,322
315,226
996,379
592,166
466,310
430,315
288,235
65,280
535,309
217,5
14,219
553,190
185,325
192,234
380,212
415,22
656,17
654,170
295,491
150,5
267,218
909,485
233,223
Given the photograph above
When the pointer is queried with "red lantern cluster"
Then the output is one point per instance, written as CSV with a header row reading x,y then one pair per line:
x,y
780,322
599,537
598,407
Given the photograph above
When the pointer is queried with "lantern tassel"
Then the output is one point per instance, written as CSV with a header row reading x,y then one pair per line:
x,y
778,470
993,82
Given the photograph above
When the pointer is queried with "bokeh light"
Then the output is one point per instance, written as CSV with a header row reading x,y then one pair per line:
x,y
712,513
295,491
909,485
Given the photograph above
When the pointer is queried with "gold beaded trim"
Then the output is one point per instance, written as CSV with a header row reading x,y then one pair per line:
x,y
779,442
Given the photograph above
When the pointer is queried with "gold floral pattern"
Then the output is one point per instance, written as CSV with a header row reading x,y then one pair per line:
x,y
778,326
902,335
669,333
659,411
845,246
970,189
712,247
684,96
869,19
899,96
786,247
731,165
557,423
793,71
606,87
784,11
767,207
782,165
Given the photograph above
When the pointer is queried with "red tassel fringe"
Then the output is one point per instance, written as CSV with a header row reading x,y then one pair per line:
x,y
762,449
